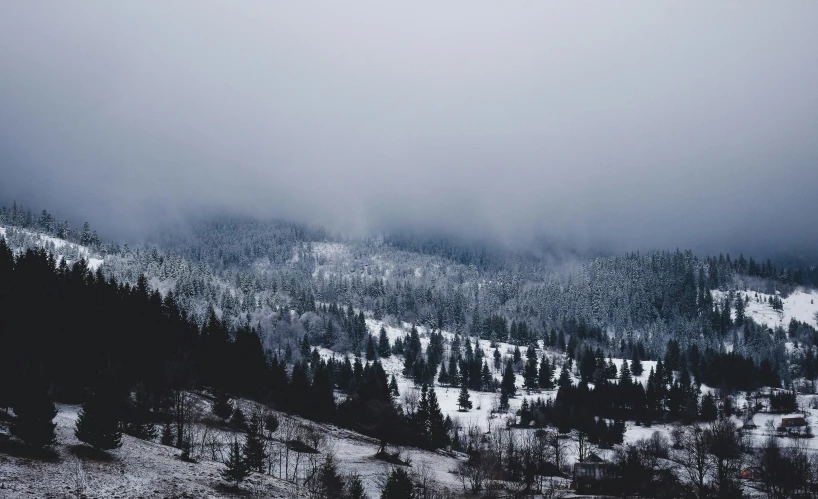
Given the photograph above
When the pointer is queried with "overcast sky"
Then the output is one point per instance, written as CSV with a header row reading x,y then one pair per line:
x,y
640,124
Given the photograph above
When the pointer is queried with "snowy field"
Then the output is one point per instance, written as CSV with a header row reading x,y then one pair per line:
x,y
800,305
766,424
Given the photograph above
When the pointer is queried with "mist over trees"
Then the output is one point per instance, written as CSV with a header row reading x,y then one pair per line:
x,y
262,272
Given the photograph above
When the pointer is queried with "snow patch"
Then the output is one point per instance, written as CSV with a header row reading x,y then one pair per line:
x,y
801,305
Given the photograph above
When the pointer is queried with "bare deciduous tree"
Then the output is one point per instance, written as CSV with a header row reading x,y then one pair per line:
x,y
410,400
694,458
726,447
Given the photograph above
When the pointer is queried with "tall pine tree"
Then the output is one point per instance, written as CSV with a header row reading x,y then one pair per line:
x,y
509,382
546,375
253,447
236,468
463,401
384,348
530,378
438,436
34,411
98,420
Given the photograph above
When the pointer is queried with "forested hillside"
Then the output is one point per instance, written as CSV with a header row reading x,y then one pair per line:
x,y
248,269
286,316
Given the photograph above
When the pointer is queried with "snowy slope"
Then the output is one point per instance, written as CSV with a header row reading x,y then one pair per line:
x,y
801,305
137,469
147,469
61,247
482,402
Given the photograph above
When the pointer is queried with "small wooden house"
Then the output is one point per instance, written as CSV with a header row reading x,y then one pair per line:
x,y
749,424
590,473
793,421
751,473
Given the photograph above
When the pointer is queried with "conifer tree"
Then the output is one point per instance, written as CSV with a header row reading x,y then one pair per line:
x,y
708,411
321,403
636,363
610,369
398,485
315,358
463,401
329,335
572,346
222,407
354,488
238,421
384,348
35,411
530,378
422,414
305,347
167,435
468,352
253,447
443,378
545,377
488,379
408,364
139,421
565,381
661,377
98,420
371,351
412,347
434,351
739,305
625,374
454,375
85,237
509,380
236,468
438,436
393,387
326,482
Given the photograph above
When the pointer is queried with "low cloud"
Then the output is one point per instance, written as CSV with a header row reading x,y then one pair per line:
x,y
642,126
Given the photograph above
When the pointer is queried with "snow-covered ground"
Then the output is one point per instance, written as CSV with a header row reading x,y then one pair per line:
x,y
766,423
801,305
43,241
483,403
137,469
148,469
797,305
